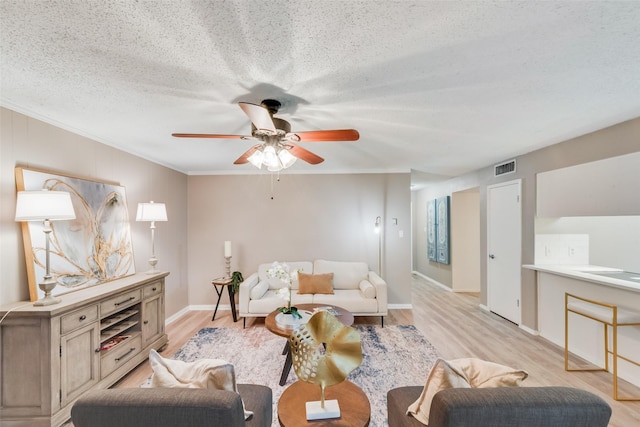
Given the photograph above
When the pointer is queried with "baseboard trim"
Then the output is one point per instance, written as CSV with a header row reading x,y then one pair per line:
x,y
529,330
176,316
523,327
430,280
400,306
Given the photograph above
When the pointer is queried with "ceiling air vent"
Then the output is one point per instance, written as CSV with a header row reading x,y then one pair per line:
x,y
504,168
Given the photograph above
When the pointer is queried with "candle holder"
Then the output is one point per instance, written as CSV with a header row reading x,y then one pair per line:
x,y
227,267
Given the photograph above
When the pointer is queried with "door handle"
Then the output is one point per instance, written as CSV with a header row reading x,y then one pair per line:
x,y
492,256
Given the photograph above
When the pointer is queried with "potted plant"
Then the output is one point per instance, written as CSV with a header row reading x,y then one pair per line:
x,y
236,279
282,272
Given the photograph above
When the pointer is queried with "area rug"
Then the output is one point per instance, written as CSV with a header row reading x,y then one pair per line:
x,y
393,356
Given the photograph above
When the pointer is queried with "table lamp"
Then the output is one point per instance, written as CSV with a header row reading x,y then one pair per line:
x,y
152,212
47,206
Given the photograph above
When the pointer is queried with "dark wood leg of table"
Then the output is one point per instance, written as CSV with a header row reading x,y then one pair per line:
x,y
232,302
219,292
287,366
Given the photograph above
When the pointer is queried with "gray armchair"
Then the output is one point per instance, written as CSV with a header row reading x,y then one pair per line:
x,y
174,407
502,407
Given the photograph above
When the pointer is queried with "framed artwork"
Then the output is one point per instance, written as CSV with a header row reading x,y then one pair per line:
x,y
92,249
442,233
431,230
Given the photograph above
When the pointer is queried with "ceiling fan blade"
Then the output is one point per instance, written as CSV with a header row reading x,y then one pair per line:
x,y
206,135
243,159
305,155
328,135
259,116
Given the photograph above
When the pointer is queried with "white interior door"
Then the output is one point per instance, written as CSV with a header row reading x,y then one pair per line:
x,y
504,241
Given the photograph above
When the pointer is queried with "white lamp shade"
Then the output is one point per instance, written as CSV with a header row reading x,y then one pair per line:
x,y
271,159
151,212
286,158
43,205
256,158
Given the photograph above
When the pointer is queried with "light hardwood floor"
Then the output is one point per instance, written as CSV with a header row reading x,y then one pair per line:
x,y
456,325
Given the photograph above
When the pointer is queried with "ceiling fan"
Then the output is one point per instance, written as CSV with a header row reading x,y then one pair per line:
x,y
277,148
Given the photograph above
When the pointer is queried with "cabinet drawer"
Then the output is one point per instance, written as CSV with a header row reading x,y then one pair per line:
x,y
84,316
117,356
118,303
151,290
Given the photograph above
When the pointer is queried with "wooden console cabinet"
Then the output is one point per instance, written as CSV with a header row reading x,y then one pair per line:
x,y
50,356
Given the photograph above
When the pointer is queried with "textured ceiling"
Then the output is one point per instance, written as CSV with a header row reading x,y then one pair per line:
x,y
437,87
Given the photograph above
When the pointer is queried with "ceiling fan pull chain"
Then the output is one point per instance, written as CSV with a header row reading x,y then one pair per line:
x,y
271,185
277,179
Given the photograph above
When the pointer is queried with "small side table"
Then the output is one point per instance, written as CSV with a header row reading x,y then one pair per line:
x,y
222,282
355,410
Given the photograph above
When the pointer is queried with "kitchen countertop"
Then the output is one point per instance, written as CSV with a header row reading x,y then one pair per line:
x,y
589,273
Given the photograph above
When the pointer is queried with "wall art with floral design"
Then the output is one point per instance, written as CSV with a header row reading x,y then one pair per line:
x,y
92,249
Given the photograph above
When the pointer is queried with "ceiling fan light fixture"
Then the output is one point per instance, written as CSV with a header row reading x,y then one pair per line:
x,y
278,149
286,158
271,160
256,158
275,168
270,157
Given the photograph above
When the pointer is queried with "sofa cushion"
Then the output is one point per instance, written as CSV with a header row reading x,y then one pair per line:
x,y
348,299
315,283
519,406
346,275
158,407
462,373
259,290
367,289
303,266
270,301
502,407
213,374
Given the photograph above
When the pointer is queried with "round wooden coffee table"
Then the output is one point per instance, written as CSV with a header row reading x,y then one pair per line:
x,y
344,316
355,410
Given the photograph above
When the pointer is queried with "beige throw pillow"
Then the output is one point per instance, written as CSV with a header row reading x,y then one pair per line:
x,y
213,374
462,373
482,374
315,283
441,376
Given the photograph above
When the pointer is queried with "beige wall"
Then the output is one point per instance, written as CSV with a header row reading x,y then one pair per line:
x,y
465,240
310,217
617,140
28,142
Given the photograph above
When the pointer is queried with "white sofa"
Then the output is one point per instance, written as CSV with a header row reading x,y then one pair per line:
x,y
356,288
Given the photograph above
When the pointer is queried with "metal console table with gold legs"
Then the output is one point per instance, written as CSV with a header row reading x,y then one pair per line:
x,y
609,315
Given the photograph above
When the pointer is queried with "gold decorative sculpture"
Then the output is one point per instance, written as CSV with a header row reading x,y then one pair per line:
x,y
324,352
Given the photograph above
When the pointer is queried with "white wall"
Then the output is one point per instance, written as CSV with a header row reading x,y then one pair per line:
x,y
614,241
614,141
